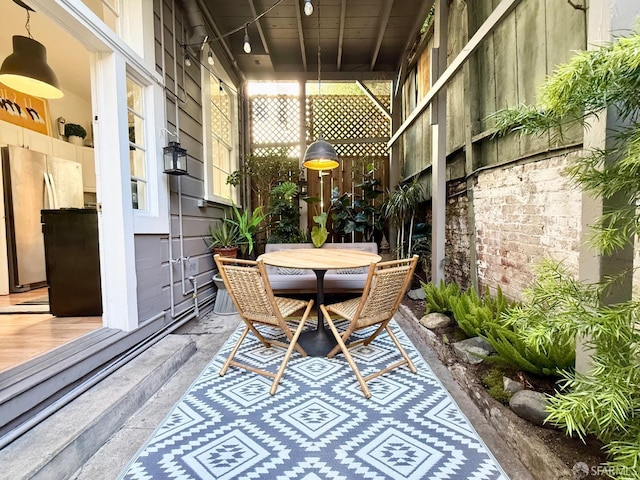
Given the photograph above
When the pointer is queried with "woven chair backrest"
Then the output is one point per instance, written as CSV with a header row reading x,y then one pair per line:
x,y
248,288
387,288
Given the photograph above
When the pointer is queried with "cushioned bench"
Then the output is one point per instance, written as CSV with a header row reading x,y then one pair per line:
x,y
292,280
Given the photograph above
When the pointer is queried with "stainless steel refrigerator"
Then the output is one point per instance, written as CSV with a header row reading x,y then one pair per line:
x,y
32,182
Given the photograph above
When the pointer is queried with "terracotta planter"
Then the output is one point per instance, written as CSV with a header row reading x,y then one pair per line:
x,y
231,252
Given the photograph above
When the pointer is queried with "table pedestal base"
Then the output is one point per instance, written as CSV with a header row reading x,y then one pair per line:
x,y
317,343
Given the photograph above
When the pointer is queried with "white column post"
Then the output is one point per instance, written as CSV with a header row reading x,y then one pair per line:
x,y
117,249
439,144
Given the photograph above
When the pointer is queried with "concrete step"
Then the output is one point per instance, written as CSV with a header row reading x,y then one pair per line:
x,y
57,447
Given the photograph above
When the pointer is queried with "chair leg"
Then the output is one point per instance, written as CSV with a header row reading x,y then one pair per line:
x,y
287,355
259,336
225,367
402,350
347,355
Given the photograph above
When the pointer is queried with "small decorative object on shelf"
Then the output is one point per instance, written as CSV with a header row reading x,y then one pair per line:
x,y
75,133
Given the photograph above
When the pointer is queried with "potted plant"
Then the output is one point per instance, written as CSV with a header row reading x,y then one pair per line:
x,y
246,225
75,133
224,238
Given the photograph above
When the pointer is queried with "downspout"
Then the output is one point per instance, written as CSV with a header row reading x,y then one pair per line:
x,y
198,34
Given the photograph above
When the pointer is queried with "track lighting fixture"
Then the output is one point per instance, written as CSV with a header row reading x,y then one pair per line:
x,y
308,7
246,45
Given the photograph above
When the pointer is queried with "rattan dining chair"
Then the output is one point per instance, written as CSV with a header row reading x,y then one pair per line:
x,y
248,285
386,284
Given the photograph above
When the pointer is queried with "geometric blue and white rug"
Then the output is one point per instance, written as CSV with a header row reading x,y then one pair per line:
x,y
318,425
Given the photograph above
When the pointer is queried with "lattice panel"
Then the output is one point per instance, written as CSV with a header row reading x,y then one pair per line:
x,y
361,149
288,152
275,119
345,117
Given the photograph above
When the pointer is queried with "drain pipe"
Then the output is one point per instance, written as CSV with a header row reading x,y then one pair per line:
x,y
196,311
198,34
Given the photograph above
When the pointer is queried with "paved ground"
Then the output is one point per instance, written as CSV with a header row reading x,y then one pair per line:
x,y
209,333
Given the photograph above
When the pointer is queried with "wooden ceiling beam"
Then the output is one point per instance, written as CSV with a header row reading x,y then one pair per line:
x,y
258,23
383,26
343,16
303,50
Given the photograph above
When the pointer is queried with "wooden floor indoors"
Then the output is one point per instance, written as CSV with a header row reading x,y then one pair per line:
x,y
25,336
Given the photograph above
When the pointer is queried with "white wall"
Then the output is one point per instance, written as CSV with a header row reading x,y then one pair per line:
x,y
73,109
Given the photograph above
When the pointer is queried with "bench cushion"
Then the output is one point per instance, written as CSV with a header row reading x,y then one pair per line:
x,y
301,280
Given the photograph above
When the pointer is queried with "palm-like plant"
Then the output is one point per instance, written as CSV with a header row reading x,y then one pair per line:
x,y
247,226
400,209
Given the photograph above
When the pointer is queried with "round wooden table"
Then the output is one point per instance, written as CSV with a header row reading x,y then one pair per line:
x,y
318,342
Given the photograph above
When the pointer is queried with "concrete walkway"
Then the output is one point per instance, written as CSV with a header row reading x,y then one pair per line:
x,y
54,449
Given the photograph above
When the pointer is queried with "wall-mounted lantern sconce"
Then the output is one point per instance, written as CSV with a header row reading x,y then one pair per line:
x,y
303,187
175,159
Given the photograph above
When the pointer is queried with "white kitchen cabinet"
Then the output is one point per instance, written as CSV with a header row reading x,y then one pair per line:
x,y
62,149
36,141
10,134
86,158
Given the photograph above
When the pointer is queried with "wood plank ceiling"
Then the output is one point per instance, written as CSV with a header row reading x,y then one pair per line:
x,y
358,38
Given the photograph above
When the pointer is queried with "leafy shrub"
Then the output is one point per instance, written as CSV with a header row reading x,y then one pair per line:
x,y
439,298
471,314
284,214
512,350
517,332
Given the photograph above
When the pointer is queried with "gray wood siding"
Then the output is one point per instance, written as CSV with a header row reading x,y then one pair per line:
x,y
184,112
507,69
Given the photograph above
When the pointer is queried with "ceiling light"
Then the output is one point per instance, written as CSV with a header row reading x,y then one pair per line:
x,y
210,60
308,7
187,60
320,155
246,45
26,69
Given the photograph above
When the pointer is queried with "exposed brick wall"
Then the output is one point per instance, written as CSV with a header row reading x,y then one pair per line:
x,y
457,256
524,213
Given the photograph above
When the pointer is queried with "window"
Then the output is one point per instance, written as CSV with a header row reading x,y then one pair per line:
x,y
137,149
221,141
111,13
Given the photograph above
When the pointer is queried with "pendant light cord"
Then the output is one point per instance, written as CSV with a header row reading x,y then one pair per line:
x,y
319,56
319,62
27,26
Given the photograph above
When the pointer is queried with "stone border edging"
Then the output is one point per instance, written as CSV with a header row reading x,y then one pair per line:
x,y
541,462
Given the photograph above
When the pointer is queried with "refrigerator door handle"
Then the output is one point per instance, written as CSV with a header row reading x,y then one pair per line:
x,y
51,191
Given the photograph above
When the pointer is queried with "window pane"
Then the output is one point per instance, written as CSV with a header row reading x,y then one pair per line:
x,y
136,130
134,96
137,163
139,194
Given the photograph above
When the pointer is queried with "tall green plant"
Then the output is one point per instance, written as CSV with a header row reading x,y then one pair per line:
x,y
400,209
284,214
263,172
358,213
606,401
248,225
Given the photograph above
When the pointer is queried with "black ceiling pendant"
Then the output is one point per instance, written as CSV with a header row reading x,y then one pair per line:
x,y
26,69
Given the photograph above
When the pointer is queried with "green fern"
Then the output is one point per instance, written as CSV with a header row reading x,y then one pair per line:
x,y
512,350
439,298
